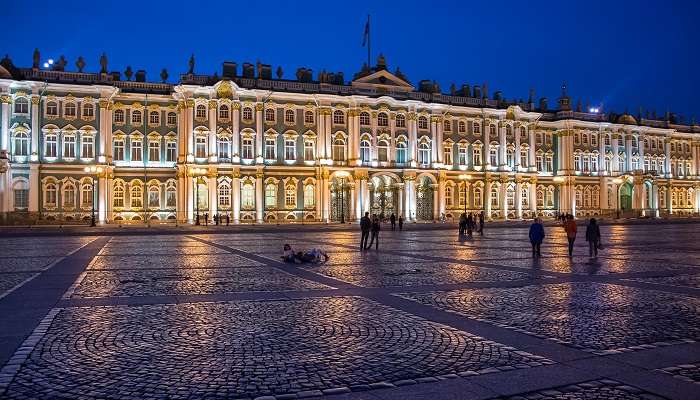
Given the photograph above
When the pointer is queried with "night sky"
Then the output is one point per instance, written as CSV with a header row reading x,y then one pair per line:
x,y
623,54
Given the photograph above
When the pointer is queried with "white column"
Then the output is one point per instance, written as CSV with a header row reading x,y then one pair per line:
x,y
601,154
502,144
108,190
320,128
516,155
603,192
392,142
34,187
259,132
412,139
436,202
518,199
236,196
101,198
236,136
364,189
35,130
189,128
401,197
441,196
504,199
487,199
189,203
667,161
327,133
628,152
655,199
5,100
531,156
326,194
616,156
106,130
533,197
212,188
353,194
212,132
259,205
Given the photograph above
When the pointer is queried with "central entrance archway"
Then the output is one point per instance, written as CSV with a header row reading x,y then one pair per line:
x,y
424,199
384,196
626,196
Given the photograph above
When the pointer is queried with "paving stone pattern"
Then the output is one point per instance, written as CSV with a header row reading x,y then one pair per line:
x,y
592,390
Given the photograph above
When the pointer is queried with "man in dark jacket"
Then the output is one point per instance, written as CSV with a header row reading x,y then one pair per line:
x,y
392,219
593,237
365,226
536,236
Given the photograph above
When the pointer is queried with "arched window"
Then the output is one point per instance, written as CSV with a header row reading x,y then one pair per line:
x,y
201,111
88,110
461,127
69,110
365,150
118,195
550,197
290,195
524,196
594,139
270,115
247,114
309,196
118,116
69,195
383,150
339,149
247,196
401,152
509,131
510,197
153,197
224,195
364,118
308,117
540,198
524,154
424,154
476,128
448,197
289,116
172,119
136,117
20,195
510,157
50,195
170,195
523,133
587,198
224,112
422,122
136,196
447,125
578,198
492,130
338,117
271,195
607,140
154,118
382,119
478,197
21,145
21,105
400,121
52,109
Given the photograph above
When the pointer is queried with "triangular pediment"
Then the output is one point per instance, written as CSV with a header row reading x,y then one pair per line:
x,y
383,79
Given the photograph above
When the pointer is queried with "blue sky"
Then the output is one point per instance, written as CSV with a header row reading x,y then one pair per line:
x,y
624,54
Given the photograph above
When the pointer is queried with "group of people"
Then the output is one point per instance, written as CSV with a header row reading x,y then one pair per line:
x,y
468,223
219,219
593,236
303,257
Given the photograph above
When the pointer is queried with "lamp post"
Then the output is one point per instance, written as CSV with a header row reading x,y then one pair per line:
x,y
93,170
342,175
464,178
197,173
617,182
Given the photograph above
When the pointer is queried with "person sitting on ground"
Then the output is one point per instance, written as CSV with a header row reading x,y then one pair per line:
x,y
288,254
312,256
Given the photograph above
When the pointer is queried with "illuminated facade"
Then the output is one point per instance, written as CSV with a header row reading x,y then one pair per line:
x,y
262,149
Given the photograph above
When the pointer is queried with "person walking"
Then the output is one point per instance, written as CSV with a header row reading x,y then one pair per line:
x,y
462,224
570,228
593,237
228,219
365,226
400,222
375,232
392,219
481,223
206,219
536,236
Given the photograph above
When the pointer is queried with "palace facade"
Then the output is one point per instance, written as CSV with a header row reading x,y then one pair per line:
x,y
264,149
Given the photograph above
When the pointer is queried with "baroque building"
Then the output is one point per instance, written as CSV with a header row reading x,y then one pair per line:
x,y
260,149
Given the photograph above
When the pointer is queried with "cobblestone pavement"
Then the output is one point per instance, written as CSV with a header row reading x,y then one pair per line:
x,y
428,316
591,316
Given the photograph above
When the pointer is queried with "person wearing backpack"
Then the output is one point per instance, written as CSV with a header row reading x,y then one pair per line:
x,y
375,233
593,237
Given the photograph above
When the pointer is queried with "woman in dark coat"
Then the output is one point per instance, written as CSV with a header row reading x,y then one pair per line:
x,y
536,236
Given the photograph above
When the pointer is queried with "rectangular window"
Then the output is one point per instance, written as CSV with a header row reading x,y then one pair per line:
x,y
463,156
51,146
247,149
88,147
136,150
477,155
69,147
153,198
493,156
270,145
309,151
21,198
201,147
549,163
539,163
154,151
448,155
170,151
118,150
223,149
290,153
170,198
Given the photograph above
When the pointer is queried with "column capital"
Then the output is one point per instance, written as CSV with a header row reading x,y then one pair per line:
x,y
35,100
213,103
189,103
5,99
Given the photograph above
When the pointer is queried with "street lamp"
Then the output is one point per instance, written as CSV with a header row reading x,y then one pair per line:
x,y
342,175
464,178
93,170
197,173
